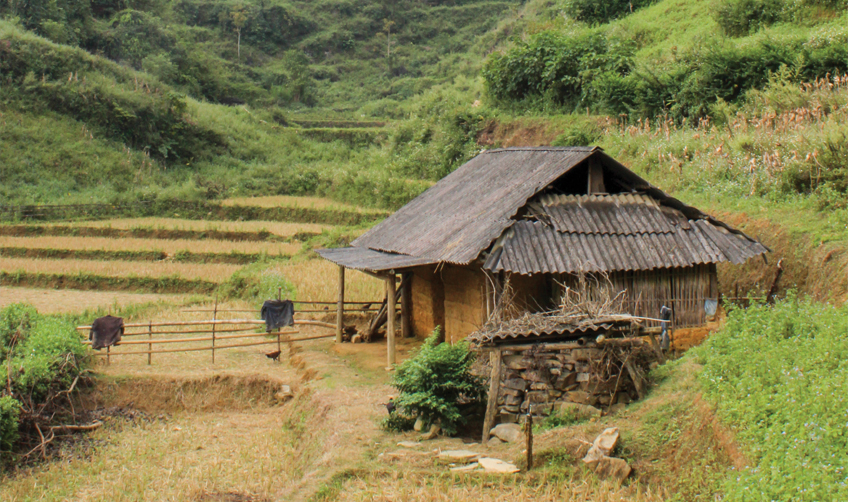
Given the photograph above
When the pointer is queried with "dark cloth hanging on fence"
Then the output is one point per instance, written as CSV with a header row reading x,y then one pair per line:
x,y
106,331
277,314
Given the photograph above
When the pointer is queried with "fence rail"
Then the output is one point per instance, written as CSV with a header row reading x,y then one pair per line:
x,y
238,333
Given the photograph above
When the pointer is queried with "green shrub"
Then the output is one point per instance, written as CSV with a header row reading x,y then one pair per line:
x,y
778,375
741,17
437,382
10,410
560,418
599,12
397,422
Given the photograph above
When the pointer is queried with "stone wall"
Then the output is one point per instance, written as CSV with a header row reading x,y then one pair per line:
x,y
585,375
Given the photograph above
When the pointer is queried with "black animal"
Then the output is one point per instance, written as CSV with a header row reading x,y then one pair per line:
x,y
273,355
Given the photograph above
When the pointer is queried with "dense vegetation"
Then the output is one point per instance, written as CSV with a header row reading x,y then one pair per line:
x,y
39,356
779,377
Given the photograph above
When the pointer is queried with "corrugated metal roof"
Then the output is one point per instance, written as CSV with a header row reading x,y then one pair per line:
x,y
370,260
461,215
615,243
480,338
618,214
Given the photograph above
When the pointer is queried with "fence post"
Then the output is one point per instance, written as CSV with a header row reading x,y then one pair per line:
x,y
214,318
108,360
149,345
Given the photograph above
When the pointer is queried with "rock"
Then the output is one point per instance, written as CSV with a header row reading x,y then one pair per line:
x,y
285,393
604,400
582,377
516,362
356,339
593,456
585,354
434,431
578,396
515,384
617,408
554,394
508,418
409,444
465,468
493,441
607,440
513,400
497,465
555,371
509,433
614,468
458,456
565,380
511,392
537,396
533,376
623,398
539,386
579,410
419,424
512,409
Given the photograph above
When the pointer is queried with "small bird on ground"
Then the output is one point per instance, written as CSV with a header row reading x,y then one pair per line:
x,y
390,406
273,355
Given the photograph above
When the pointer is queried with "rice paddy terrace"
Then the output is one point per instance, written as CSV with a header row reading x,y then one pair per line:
x,y
66,266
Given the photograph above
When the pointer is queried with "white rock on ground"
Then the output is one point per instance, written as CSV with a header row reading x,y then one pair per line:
x,y
510,433
615,468
419,424
409,444
465,468
458,456
497,465
493,441
607,440
434,431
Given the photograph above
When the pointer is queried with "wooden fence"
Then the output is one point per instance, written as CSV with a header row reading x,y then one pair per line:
x,y
216,331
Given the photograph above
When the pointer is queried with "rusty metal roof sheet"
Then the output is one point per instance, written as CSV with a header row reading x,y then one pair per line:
x,y
370,260
616,243
461,215
480,338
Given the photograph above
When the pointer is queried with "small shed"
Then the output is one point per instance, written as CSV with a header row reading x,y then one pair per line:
x,y
543,218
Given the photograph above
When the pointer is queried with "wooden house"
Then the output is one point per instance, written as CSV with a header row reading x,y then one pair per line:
x,y
542,217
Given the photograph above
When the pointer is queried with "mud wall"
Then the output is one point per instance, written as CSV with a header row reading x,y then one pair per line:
x,y
465,301
428,301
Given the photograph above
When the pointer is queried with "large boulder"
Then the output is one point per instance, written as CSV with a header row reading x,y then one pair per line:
x,y
509,433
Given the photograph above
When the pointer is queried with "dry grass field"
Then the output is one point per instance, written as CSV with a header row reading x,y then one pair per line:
x,y
64,301
279,228
169,246
318,280
294,201
215,272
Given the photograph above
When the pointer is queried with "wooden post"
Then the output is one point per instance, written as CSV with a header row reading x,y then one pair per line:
x,y
108,360
150,344
279,332
528,424
595,178
406,305
340,306
494,389
390,325
214,318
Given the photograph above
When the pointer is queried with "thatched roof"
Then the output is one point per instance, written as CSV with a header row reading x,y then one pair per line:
x,y
458,219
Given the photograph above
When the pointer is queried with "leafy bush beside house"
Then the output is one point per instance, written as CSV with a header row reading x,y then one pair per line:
x,y
437,384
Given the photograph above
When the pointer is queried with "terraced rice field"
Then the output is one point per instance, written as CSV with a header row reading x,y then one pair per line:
x,y
169,246
302,202
281,229
215,272
64,301
168,255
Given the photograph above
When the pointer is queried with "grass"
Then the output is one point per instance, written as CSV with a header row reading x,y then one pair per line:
x,y
216,272
168,246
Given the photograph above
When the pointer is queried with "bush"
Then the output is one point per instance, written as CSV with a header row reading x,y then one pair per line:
x,y
595,12
436,382
741,17
10,410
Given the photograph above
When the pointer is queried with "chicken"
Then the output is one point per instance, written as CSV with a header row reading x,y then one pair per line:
x,y
273,355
